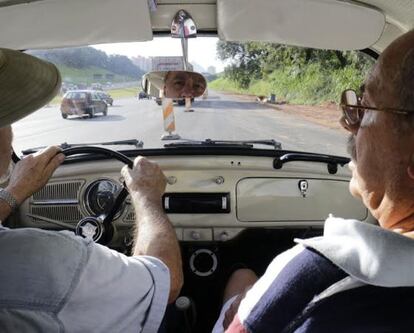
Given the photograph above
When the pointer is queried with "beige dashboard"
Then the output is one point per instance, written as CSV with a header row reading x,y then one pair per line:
x,y
301,194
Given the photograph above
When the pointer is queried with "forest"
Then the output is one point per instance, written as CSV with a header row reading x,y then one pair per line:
x,y
86,57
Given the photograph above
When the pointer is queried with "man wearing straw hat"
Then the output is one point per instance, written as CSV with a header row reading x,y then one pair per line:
x,y
54,281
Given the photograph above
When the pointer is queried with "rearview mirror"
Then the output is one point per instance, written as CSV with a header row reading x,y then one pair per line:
x,y
183,25
174,84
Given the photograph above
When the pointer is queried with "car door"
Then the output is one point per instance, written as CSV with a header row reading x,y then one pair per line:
x,y
98,103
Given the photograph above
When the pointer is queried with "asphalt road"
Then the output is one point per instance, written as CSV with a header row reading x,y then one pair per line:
x,y
220,116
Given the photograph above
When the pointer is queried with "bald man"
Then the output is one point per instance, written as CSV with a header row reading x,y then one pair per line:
x,y
357,277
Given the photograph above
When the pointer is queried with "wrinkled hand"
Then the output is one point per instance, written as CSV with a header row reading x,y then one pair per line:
x,y
145,179
33,172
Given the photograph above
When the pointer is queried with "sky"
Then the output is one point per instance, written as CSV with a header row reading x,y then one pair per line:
x,y
201,50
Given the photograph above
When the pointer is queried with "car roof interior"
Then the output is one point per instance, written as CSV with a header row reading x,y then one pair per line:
x,y
340,24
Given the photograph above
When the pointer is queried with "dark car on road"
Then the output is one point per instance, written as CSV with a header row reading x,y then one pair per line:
x,y
143,95
81,103
106,97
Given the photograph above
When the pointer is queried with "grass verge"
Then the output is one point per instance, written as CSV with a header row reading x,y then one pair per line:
x,y
311,85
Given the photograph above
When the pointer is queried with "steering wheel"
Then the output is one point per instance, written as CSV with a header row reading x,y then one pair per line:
x,y
100,229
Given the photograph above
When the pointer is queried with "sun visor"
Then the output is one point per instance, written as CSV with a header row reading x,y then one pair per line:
x,y
60,23
324,24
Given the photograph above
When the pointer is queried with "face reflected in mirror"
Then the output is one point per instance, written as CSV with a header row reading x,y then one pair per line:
x,y
184,84
174,84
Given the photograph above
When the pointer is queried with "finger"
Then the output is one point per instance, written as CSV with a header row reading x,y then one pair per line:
x,y
126,173
148,166
139,160
53,165
47,154
162,174
27,158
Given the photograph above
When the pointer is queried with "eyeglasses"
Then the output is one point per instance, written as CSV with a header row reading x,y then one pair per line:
x,y
353,110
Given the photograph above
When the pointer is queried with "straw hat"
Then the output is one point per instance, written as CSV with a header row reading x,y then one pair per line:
x,y
157,78
26,84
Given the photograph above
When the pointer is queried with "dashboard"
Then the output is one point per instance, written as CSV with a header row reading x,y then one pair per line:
x,y
208,198
226,210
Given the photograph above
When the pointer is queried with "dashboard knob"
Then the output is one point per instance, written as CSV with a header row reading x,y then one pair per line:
x,y
183,303
219,180
171,180
195,235
224,236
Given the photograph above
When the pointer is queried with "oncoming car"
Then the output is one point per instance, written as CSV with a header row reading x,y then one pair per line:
x,y
83,103
244,178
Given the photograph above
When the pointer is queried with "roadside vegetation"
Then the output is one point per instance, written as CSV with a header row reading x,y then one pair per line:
x,y
83,67
86,65
295,75
86,75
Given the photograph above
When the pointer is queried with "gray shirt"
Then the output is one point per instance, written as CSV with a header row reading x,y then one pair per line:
x,y
58,282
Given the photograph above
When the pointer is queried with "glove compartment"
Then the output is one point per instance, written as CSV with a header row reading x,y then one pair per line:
x,y
295,199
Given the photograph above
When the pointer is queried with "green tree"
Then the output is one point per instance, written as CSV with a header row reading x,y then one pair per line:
x,y
294,72
84,57
245,65
263,58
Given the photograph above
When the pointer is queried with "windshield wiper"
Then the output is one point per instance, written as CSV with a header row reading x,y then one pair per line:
x,y
225,143
65,145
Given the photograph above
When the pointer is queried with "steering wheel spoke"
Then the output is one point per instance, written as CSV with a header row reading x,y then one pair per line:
x,y
101,229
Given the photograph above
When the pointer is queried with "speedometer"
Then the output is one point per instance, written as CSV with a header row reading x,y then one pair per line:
x,y
100,196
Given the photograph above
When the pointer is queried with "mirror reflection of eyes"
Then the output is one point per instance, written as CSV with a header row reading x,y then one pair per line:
x,y
179,83
199,86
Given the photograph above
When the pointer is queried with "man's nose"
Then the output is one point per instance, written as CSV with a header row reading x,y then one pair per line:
x,y
188,90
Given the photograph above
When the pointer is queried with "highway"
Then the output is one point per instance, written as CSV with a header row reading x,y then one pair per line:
x,y
224,117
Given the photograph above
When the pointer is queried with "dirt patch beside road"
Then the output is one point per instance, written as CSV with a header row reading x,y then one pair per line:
x,y
326,115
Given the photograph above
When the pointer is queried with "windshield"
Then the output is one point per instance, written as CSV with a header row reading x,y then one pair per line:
x,y
255,91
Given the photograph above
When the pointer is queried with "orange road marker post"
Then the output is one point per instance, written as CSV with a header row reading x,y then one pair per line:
x,y
169,120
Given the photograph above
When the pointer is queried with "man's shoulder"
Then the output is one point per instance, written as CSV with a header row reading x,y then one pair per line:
x,y
292,280
363,309
51,242
39,266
